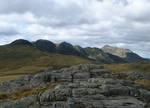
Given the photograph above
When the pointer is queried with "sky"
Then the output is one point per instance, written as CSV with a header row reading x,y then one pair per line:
x,y
93,23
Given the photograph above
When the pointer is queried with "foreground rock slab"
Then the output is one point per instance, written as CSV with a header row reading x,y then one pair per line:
x,y
82,86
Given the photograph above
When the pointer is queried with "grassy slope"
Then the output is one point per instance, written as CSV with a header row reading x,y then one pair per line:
x,y
20,60
143,67
129,67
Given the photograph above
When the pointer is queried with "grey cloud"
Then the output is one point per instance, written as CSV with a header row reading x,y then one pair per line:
x,y
8,32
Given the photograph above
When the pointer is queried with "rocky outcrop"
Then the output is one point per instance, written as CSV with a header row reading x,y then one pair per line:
x,y
82,86
125,54
99,55
81,51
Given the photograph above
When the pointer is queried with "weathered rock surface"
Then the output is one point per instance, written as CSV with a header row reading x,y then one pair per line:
x,y
82,86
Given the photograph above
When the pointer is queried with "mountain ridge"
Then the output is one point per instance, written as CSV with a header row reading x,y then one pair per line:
x,y
106,54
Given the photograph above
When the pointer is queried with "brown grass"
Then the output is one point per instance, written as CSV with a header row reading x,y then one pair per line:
x,y
129,67
144,83
25,92
8,77
13,68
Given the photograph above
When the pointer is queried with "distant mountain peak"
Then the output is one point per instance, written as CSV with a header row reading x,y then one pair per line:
x,y
45,45
122,53
43,40
115,48
21,42
108,48
65,44
67,48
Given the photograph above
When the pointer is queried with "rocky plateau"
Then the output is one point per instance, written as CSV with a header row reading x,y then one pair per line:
x,y
81,86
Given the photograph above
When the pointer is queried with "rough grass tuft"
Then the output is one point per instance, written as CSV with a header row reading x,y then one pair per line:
x,y
26,92
129,67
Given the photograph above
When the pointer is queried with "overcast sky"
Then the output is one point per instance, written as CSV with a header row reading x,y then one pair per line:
x,y
122,23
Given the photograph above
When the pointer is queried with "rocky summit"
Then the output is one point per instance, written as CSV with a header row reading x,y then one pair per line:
x,y
123,53
81,86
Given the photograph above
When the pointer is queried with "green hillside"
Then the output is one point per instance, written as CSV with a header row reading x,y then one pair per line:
x,y
16,60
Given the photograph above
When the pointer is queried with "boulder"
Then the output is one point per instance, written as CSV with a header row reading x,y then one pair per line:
x,y
40,79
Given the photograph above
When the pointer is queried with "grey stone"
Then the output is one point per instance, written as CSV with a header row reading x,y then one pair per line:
x,y
82,86
119,90
123,102
145,95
